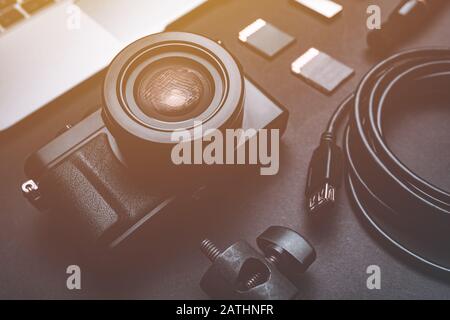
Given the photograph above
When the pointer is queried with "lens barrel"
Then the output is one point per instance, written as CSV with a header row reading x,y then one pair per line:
x,y
169,82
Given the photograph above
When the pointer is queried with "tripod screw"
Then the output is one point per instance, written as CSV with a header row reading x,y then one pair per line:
x,y
243,269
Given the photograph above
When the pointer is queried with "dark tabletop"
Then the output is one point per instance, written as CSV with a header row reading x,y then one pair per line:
x,y
168,264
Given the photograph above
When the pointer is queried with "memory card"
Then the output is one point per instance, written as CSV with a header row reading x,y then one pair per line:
x,y
326,8
321,70
265,38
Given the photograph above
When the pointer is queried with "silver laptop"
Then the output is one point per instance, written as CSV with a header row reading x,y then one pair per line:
x,y
49,46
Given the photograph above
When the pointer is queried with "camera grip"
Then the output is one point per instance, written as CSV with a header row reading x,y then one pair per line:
x,y
93,195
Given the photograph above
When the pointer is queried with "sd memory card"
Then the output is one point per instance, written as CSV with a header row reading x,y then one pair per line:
x,y
265,38
321,70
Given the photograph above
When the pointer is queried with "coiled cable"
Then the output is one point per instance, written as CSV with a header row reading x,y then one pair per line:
x,y
405,209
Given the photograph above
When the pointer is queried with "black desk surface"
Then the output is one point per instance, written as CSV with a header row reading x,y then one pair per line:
x,y
169,264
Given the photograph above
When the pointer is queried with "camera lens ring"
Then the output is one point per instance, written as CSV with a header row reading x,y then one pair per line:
x,y
129,94
116,109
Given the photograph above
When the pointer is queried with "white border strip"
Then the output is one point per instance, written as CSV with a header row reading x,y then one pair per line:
x,y
251,29
327,8
298,64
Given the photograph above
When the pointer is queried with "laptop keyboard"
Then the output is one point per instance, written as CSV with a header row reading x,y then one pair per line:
x,y
14,11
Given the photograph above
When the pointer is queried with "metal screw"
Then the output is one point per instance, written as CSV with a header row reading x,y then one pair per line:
x,y
211,251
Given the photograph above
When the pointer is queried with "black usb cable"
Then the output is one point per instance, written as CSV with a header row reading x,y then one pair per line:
x,y
411,213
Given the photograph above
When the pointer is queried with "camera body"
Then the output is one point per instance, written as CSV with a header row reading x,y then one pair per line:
x,y
102,179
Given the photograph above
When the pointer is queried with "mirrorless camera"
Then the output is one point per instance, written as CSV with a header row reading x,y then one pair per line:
x,y
111,173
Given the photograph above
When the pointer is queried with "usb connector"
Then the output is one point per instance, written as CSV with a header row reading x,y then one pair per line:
x,y
324,175
322,198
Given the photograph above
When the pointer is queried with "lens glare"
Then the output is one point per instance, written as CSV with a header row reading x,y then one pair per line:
x,y
170,91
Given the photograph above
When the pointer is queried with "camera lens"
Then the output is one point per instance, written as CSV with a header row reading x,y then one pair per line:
x,y
174,89
169,82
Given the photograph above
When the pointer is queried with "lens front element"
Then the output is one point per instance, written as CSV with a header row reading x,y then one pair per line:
x,y
170,89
